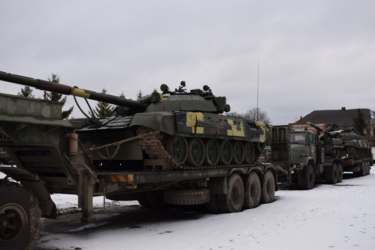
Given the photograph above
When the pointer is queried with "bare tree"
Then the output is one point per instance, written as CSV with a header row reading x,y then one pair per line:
x,y
253,114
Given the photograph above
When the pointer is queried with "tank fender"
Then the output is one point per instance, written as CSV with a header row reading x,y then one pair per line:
x,y
32,182
159,121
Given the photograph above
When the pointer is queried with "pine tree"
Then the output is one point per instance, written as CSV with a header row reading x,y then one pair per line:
x,y
26,92
139,95
51,96
122,94
103,109
359,122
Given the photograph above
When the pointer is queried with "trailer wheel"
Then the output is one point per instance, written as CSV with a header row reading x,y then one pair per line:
x,y
268,188
143,201
306,178
212,205
340,173
186,197
331,174
252,191
19,217
232,202
155,199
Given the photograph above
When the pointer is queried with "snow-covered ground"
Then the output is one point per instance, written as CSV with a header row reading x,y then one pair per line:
x,y
340,216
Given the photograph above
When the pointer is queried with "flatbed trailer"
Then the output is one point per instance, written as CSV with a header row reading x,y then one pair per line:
x,y
49,158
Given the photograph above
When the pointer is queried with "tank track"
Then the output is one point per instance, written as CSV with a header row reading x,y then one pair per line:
x,y
155,149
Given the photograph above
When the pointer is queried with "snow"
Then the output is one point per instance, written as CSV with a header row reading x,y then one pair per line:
x,y
340,216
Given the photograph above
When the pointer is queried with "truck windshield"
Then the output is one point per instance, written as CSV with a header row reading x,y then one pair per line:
x,y
298,138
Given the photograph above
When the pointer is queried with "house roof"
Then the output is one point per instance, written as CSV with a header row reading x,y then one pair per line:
x,y
341,117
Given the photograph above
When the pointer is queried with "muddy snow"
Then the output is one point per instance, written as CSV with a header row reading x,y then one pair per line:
x,y
340,216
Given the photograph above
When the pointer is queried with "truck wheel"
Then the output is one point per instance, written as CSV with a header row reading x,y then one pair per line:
x,y
340,173
232,202
212,205
306,178
19,217
155,199
143,201
268,188
252,191
331,174
362,172
186,197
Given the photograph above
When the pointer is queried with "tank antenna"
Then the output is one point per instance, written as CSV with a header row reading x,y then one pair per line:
x,y
258,91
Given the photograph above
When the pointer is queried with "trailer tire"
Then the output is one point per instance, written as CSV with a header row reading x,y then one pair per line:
x,y
306,178
155,199
340,173
22,206
253,191
331,174
186,197
232,202
268,188
143,201
212,205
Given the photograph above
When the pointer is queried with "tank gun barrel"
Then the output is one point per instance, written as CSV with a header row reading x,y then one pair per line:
x,y
68,90
319,129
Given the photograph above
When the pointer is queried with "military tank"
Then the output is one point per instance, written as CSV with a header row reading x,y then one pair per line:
x,y
169,130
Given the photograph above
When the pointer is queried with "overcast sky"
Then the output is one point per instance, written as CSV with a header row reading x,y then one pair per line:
x,y
313,54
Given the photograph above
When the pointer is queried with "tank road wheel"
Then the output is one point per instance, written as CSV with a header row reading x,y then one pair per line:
x,y
340,173
238,152
232,202
19,217
306,178
226,152
331,174
212,152
268,187
196,152
252,191
177,147
249,153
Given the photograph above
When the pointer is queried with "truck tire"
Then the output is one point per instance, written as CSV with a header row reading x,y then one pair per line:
x,y
232,202
306,178
331,174
268,187
20,215
124,197
362,171
340,173
212,205
155,199
186,197
253,191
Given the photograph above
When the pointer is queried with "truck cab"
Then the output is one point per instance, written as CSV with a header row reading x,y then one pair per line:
x,y
302,149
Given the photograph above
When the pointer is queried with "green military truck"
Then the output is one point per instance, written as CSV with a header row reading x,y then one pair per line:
x,y
173,148
324,156
307,155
